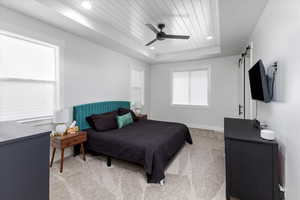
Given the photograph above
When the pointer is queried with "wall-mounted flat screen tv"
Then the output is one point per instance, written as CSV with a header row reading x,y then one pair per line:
x,y
259,83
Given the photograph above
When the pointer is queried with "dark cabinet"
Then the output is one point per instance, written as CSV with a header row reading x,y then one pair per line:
x,y
24,162
251,162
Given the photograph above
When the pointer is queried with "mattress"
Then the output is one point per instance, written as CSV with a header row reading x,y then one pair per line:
x,y
149,143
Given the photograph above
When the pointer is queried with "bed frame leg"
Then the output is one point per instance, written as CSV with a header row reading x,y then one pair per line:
x,y
162,182
108,161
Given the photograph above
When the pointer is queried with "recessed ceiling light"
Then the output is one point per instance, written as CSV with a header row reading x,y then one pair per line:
x,y
209,37
152,48
86,4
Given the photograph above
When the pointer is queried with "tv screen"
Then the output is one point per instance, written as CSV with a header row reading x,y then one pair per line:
x,y
259,83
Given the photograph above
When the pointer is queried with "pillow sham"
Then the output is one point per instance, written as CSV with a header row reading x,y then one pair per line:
x,y
103,122
123,111
90,121
124,120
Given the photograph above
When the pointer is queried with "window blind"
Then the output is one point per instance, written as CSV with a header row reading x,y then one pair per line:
x,y
27,78
190,87
137,87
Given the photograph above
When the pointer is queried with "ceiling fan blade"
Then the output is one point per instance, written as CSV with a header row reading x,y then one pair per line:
x,y
151,42
152,28
185,37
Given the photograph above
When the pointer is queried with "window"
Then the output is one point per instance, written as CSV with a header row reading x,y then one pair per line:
x,y
28,81
190,87
137,87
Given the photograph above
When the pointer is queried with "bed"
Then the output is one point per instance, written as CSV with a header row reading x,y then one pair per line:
x,y
151,144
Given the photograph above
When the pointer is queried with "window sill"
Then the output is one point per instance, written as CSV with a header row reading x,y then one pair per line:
x,y
25,80
190,106
37,121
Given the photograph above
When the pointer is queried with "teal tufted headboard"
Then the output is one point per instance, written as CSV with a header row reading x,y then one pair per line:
x,y
80,112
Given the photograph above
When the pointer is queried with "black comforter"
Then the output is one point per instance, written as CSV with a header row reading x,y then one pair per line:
x,y
149,143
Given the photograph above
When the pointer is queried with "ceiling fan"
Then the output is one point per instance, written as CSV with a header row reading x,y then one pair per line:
x,y
160,35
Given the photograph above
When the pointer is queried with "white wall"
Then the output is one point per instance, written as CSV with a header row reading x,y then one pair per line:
x,y
89,72
277,38
223,94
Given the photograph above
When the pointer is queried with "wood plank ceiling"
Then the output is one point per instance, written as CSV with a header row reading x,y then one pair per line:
x,y
197,18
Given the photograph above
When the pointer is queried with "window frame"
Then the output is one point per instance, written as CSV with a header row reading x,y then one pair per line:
x,y
140,69
56,82
206,67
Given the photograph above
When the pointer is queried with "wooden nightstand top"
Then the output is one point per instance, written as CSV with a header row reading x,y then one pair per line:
x,y
69,140
142,116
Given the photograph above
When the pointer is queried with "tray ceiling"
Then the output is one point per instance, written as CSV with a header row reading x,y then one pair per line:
x,y
197,18
124,21
120,24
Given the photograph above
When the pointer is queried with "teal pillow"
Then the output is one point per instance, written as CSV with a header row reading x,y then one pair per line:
x,y
124,120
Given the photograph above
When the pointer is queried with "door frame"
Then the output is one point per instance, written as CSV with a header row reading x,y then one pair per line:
x,y
244,100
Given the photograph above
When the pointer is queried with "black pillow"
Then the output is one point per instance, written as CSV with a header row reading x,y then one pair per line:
x,y
103,122
123,111
90,121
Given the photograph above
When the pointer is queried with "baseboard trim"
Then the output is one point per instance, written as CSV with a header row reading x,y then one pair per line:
x,y
207,127
193,125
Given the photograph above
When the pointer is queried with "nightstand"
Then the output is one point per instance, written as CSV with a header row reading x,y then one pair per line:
x,y
142,116
66,141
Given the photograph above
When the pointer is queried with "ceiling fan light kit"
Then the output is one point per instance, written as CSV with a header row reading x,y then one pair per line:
x,y
160,35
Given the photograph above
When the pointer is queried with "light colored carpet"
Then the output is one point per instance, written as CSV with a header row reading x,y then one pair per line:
x,y
197,173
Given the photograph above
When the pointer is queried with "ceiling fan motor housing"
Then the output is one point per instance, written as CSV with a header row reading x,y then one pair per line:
x,y
160,35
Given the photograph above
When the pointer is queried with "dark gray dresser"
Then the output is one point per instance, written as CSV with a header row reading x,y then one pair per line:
x,y
251,162
24,162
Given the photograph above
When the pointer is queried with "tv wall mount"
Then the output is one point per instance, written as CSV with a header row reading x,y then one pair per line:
x,y
271,74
